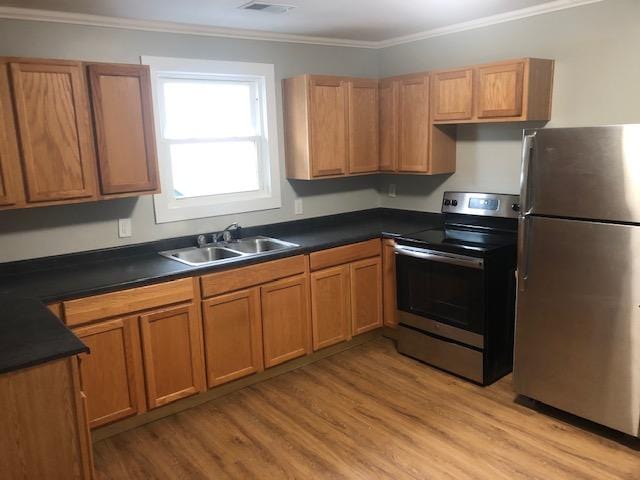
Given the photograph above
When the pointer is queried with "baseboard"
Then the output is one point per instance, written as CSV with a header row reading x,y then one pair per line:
x,y
217,392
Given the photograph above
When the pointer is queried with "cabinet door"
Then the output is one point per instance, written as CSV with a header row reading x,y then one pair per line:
x,y
171,345
328,126
500,90
232,336
112,373
388,117
363,126
123,118
366,295
414,124
11,187
285,320
452,95
330,307
389,301
52,109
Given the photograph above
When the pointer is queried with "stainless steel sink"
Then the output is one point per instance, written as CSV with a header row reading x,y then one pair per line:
x,y
221,252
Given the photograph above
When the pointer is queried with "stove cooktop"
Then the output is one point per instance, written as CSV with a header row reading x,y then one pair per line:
x,y
457,239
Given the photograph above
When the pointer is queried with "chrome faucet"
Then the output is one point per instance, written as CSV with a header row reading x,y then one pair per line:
x,y
226,235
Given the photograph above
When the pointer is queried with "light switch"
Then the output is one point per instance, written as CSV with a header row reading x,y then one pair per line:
x,y
124,227
392,190
297,206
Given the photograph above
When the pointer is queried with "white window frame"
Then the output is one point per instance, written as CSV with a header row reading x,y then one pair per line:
x,y
167,207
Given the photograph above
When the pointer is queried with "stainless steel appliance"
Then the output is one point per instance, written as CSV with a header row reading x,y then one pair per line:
x,y
456,287
577,342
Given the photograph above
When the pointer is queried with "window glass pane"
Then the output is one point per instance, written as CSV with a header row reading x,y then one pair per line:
x,y
206,109
215,168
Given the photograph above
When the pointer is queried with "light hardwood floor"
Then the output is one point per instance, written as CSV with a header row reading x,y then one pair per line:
x,y
369,413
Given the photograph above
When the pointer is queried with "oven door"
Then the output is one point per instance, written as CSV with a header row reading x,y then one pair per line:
x,y
445,289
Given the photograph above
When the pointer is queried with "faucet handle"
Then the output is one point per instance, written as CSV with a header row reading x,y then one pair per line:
x,y
201,240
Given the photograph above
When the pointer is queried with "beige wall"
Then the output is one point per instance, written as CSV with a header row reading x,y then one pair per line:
x,y
56,230
597,81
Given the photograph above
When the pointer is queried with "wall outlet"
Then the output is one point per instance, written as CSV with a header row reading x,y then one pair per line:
x,y
392,190
124,227
297,206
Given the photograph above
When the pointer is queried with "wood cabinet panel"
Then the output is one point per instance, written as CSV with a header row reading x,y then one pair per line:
x,y
388,119
123,119
42,424
500,90
244,277
172,349
363,125
54,130
328,126
389,300
232,336
345,254
414,126
452,95
124,302
112,372
285,320
366,295
330,306
11,186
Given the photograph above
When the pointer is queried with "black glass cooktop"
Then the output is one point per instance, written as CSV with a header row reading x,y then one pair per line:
x,y
461,239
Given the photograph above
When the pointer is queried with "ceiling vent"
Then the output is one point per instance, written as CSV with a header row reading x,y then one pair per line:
x,y
267,7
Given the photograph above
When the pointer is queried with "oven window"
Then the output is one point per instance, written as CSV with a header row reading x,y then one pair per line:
x,y
446,293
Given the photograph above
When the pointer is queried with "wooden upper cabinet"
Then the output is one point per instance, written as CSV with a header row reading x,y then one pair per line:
x,y
500,90
11,186
285,320
388,120
452,95
414,125
172,350
366,295
363,125
330,306
123,120
232,336
52,109
112,372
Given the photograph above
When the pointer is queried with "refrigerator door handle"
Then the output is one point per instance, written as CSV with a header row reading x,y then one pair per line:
x,y
523,252
527,147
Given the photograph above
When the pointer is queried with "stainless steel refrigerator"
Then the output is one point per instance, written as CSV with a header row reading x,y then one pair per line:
x,y
577,343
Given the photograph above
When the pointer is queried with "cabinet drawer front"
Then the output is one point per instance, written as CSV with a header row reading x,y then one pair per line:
x,y
341,255
127,301
239,278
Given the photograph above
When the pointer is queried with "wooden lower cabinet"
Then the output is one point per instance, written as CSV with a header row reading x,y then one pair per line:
x,y
389,300
172,350
112,372
232,336
366,295
285,320
330,306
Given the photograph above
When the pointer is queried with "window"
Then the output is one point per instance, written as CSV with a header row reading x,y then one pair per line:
x,y
216,136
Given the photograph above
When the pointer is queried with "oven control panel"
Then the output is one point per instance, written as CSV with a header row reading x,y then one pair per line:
x,y
486,204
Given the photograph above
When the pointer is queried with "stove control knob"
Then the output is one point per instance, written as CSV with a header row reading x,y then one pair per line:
x,y
447,202
515,207
454,203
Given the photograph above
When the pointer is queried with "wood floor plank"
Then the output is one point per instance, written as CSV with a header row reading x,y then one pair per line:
x,y
369,413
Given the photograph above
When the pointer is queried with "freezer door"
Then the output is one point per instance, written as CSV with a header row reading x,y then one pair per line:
x,y
577,343
589,173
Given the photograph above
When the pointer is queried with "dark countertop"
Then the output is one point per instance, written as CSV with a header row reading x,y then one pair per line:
x,y
88,273
30,335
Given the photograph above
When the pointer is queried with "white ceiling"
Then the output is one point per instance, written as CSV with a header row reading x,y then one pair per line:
x,y
358,20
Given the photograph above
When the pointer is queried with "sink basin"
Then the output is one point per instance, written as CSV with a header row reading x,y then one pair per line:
x,y
259,245
200,256
223,252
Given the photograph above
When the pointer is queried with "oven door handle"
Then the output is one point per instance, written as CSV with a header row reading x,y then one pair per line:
x,y
433,256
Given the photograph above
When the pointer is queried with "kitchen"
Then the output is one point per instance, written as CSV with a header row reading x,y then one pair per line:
x,y
340,403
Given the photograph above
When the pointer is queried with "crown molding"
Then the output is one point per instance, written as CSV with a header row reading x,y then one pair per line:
x,y
210,31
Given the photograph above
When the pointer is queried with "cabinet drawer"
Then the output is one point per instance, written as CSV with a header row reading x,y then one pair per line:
x,y
88,309
239,278
346,254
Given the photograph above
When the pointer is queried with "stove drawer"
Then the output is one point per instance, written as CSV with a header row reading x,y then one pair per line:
x,y
448,356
